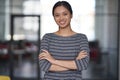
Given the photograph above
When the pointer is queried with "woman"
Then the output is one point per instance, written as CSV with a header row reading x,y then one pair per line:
x,y
64,53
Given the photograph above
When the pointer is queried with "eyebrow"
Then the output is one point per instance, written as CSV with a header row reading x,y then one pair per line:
x,y
62,12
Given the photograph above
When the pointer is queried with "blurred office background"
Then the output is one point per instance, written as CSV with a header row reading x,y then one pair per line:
x,y
24,22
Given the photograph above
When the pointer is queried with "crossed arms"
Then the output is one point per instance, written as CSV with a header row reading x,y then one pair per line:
x,y
62,65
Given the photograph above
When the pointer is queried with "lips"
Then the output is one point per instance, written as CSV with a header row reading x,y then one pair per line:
x,y
62,22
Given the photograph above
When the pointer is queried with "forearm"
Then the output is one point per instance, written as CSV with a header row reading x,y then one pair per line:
x,y
62,64
57,68
69,64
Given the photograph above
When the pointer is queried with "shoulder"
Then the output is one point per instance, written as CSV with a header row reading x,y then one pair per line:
x,y
47,35
82,35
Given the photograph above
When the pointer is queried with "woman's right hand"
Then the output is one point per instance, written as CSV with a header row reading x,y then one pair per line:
x,y
46,55
82,55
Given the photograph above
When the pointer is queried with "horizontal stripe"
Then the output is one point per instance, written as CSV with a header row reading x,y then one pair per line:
x,y
64,75
64,48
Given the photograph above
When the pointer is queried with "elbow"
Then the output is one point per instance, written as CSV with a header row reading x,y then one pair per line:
x,y
44,65
81,65
81,68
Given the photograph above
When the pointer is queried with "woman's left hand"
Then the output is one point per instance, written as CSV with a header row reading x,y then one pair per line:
x,y
46,55
82,55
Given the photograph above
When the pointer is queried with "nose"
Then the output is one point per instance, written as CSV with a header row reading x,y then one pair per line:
x,y
61,17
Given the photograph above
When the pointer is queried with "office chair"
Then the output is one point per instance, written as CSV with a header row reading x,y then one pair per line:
x,y
3,77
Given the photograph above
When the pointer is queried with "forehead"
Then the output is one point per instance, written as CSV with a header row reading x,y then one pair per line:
x,y
60,9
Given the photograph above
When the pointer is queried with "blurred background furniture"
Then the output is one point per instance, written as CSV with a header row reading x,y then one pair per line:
x,y
3,77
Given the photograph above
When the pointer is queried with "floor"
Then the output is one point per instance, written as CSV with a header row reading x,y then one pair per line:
x,y
27,70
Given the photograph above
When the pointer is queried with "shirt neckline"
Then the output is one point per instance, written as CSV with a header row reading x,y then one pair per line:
x,y
65,36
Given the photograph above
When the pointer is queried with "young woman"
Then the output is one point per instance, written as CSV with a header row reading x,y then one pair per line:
x,y
64,53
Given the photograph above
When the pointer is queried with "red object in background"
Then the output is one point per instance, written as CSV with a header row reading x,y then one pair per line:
x,y
94,54
4,51
94,50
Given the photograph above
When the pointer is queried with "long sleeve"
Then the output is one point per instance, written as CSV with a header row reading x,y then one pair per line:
x,y
82,64
44,64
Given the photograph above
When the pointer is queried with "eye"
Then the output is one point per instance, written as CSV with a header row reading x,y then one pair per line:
x,y
56,15
65,13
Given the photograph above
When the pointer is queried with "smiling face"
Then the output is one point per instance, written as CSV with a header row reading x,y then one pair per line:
x,y
62,16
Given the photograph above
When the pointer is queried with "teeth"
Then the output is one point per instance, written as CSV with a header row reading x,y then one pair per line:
x,y
62,22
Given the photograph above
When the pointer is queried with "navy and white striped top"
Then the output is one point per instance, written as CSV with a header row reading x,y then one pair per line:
x,y
64,48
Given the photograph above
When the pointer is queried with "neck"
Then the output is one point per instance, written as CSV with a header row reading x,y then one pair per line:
x,y
65,31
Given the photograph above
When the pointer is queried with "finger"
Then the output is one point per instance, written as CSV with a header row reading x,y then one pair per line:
x,y
42,54
42,58
83,51
44,50
82,54
81,57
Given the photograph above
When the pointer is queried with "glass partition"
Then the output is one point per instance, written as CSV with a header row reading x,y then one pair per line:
x,y
24,46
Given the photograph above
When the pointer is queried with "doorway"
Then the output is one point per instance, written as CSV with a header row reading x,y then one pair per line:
x,y
24,47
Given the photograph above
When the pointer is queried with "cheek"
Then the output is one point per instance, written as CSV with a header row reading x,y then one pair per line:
x,y
56,19
69,17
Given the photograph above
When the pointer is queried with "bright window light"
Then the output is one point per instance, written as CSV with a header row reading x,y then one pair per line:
x,y
82,21
83,17
31,7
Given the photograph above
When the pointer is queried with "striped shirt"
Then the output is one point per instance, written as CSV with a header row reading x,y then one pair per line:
x,y
64,48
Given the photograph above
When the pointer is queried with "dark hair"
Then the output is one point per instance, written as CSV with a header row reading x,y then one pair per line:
x,y
62,3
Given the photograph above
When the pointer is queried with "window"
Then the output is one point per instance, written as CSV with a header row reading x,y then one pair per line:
x,y
83,17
